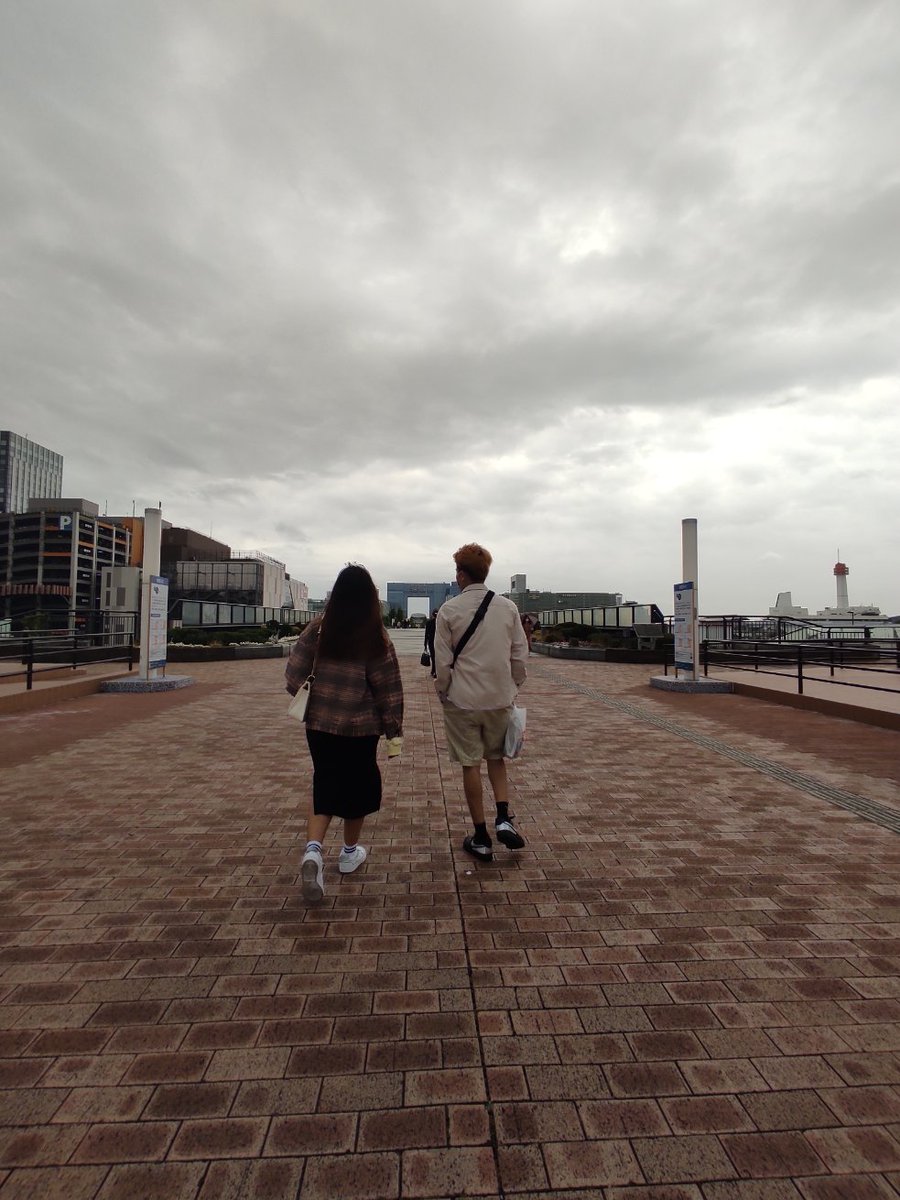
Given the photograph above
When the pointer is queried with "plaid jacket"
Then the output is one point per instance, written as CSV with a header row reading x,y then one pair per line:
x,y
354,699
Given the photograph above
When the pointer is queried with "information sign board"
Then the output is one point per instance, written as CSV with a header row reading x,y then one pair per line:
x,y
158,627
684,610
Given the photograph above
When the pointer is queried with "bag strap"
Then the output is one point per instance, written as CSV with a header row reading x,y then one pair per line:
x,y
476,621
311,677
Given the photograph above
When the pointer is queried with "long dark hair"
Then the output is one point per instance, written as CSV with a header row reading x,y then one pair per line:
x,y
352,628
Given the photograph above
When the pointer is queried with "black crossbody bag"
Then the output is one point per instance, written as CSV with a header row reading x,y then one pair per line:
x,y
473,625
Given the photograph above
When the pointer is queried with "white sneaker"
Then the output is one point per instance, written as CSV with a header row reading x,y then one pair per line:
x,y
349,862
311,871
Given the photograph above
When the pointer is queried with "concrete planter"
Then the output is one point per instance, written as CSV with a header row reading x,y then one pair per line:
x,y
180,653
261,651
598,653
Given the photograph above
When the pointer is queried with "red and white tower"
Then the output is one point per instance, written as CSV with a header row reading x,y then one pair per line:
x,y
841,571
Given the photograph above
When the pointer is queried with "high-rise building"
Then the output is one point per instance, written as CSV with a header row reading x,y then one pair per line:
x,y
52,558
27,471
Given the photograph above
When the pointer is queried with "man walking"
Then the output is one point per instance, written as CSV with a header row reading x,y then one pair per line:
x,y
480,655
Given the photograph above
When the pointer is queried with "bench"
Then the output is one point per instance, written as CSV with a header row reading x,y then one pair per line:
x,y
649,636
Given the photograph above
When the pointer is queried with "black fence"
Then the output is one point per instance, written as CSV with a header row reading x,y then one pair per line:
x,y
66,648
808,662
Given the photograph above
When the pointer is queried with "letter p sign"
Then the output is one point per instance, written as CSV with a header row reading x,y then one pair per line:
x,y
65,522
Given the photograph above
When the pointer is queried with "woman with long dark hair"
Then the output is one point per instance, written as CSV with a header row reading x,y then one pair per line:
x,y
357,696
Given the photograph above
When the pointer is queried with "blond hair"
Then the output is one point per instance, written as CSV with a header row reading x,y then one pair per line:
x,y
474,560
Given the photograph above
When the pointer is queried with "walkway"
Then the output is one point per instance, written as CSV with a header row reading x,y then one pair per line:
x,y
685,988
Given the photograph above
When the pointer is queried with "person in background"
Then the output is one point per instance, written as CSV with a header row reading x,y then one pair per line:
x,y
527,628
430,630
356,697
478,692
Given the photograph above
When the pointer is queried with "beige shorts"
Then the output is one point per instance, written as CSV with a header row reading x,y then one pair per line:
x,y
474,734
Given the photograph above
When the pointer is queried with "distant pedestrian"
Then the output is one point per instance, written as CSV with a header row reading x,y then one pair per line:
x,y
478,675
355,698
527,628
430,630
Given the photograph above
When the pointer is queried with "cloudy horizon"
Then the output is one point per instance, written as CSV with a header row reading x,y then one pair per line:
x,y
364,281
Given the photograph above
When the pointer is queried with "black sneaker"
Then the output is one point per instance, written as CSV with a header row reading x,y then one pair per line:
x,y
477,850
507,834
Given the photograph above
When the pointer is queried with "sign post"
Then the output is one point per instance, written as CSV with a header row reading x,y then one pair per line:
x,y
685,623
153,602
690,637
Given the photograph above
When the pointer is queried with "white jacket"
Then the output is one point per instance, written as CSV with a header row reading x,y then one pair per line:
x,y
491,667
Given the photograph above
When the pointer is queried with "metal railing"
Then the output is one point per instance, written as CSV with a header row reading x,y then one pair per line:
x,y
808,662
792,629
62,649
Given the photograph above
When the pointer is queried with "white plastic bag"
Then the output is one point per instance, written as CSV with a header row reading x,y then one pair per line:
x,y
297,706
515,733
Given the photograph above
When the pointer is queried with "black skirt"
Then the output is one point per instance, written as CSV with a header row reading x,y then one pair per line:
x,y
346,778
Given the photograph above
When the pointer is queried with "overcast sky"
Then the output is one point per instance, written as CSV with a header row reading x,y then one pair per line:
x,y
361,280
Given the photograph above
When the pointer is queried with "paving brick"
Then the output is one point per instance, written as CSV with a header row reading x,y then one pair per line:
x,y
175,1067
469,1124
180,1101
451,1086
85,1071
723,1075
756,1189
864,1148
358,1093
861,1105
261,1179
622,1118
33,1183
404,1056
131,1141
348,1059
353,1177
152,1181
757,1155
591,1164
665,1191
787,1110
35,1106
847,1187
521,1168
404,1129
276,1097
33,1147
506,1083
454,1171
259,1063
645,1079
140,1039
92,1104
706,1114
666,1045
220,1137
68,1041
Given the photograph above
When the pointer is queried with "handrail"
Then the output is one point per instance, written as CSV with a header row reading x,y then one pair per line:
x,y
28,653
797,658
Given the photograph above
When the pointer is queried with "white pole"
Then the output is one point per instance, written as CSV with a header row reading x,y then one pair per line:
x,y
689,575
150,567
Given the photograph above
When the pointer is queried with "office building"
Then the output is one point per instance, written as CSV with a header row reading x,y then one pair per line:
x,y
52,558
527,600
27,470
400,594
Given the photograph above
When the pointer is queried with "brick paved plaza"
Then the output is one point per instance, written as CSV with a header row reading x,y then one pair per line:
x,y
684,988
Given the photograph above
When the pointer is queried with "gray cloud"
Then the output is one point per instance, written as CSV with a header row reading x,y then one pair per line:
x,y
362,280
